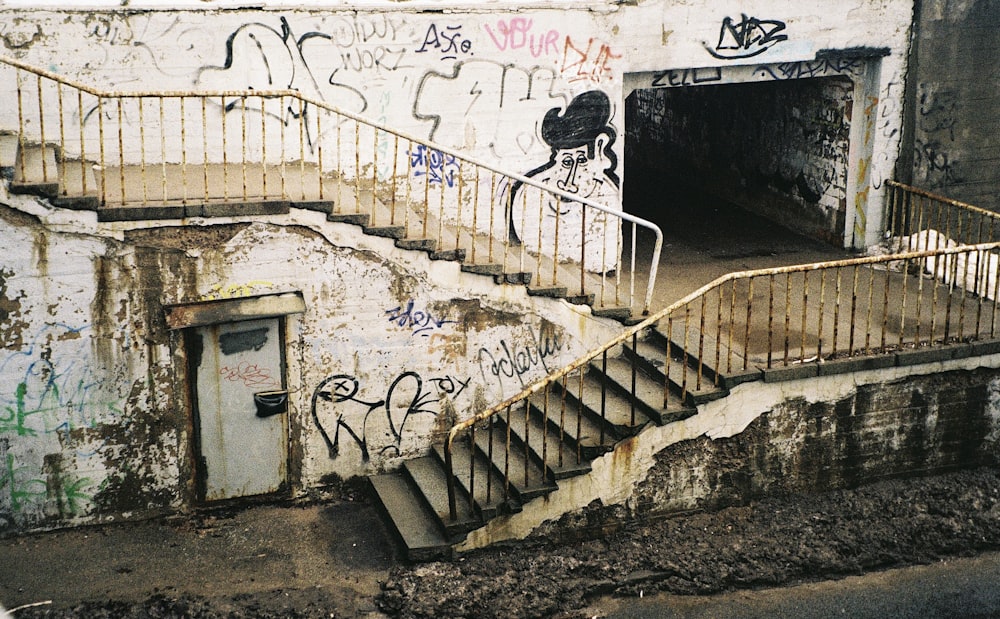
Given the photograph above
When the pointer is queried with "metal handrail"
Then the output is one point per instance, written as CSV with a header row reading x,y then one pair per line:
x,y
617,213
938,259
913,210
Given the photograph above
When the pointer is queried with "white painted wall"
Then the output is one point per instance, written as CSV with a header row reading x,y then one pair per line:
x,y
86,327
479,77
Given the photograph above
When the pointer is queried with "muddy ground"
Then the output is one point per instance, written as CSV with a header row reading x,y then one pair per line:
x,y
777,541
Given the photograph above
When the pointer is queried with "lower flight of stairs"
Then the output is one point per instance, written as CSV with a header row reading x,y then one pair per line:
x,y
414,498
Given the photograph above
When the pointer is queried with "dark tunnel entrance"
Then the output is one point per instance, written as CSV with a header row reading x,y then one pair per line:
x,y
755,163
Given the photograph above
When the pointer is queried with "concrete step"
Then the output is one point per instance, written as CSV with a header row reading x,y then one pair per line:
x,y
647,395
429,477
527,478
730,370
414,524
35,164
607,410
547,442
682,377
490,499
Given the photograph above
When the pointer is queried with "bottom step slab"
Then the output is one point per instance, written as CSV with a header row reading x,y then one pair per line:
x,y
413,522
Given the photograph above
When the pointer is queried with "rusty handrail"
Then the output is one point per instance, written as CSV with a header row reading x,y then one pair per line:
x,y
912,211
614,211
932,257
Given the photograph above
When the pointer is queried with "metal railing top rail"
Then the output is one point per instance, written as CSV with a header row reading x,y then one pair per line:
x,y
939,198
663,313
618,213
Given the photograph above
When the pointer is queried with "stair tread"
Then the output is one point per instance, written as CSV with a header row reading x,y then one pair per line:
x,y
557,447
730,362
537,484
432,481
648,391
488,503
416,525
617,419
681,376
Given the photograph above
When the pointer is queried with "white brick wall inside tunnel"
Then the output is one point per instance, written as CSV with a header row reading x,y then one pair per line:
x,y
539,90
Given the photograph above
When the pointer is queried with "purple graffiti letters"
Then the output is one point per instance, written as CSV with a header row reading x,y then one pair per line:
x,y
437,166
447,41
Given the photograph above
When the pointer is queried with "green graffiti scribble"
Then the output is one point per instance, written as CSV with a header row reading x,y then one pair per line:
x,y
14,421
68,492
22,493
72,496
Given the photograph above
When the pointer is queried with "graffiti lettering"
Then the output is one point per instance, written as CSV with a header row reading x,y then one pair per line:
x,y
936,164
23,489
810,68
421,322
590,63
516,34
437,166
687,77
348,32
448,42
499,96
748,38
57,391
383,422
250,374
517,361
378,58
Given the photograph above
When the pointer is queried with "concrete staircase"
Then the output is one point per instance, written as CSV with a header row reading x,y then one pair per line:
x,y
179,192
616,398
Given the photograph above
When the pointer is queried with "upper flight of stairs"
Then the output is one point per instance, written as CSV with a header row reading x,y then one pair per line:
x,y
31,169
414,499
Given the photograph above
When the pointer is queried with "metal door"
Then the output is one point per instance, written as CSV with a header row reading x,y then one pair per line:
x,y
241,404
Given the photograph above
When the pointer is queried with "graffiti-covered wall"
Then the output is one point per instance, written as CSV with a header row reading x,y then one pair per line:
x,y
519,88
100,413
954,101
391,348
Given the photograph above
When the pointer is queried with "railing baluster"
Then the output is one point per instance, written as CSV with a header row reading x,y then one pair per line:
x,y
204,145
163,150
635,396
104,166
83,149
805,309
489,461
788,316
41,128
21,124
142,153
302,146
770,319
62,139
836,313
225,153
822,313
667,365
472,467
184,177
121,149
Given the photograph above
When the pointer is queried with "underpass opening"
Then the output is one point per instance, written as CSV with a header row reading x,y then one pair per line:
x,y
757,161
